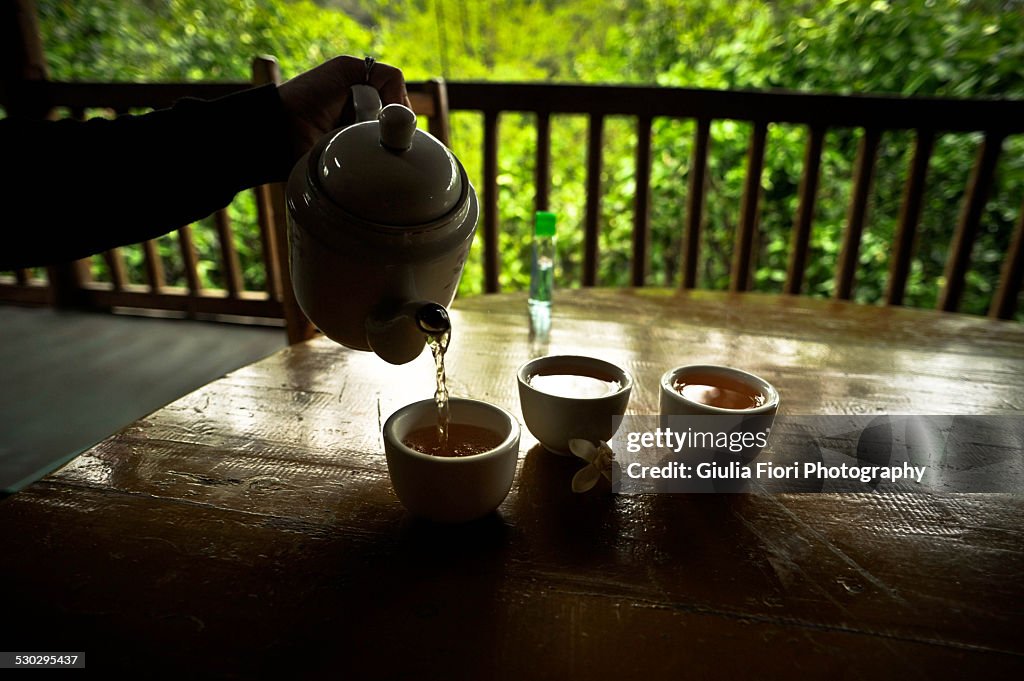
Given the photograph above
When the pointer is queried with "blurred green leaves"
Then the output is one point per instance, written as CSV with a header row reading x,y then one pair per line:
x,y
956,48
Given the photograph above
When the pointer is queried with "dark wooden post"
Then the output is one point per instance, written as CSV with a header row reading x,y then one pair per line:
x,y
542,164
23,62
492,259
910,216
743,251
978,187
1004,304
856,216
695,202
801,238
642,212
592,219
297,326
23,94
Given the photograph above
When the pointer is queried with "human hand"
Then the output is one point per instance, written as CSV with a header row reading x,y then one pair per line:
x,y
314,100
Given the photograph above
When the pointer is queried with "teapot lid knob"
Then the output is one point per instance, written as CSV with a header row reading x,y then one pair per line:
x,y
397,127
387,172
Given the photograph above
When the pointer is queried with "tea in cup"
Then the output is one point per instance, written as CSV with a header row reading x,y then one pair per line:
x,y
740,402
707,389
564,397
462,481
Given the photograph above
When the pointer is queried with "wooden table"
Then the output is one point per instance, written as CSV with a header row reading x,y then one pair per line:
x,y
251,526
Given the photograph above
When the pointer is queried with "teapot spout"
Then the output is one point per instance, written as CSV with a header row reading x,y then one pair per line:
x,y
397,334
433,319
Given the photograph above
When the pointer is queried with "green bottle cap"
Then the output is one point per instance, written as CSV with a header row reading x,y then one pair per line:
x,y
545,225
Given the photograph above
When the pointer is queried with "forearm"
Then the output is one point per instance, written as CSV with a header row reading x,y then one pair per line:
x,y
83,187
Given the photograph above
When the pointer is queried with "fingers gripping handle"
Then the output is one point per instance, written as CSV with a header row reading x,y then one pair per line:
x,y
366,102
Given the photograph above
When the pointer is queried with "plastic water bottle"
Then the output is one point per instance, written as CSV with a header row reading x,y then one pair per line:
x,y
542,273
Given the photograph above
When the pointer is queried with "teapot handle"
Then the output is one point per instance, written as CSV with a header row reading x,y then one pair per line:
x,y
366,102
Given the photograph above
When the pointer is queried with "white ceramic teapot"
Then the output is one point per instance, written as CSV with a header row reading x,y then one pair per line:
x,y
381,217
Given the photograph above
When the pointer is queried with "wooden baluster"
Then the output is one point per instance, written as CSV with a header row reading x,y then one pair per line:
x,y
642,213
25,64
24,60
66,281
228,254
297,326
978,188
801,236
743,250
695,202
275,240
542,164
864,173
115,265
492,262
1004,304
910,216
437,121
154,266
265,219
189,260
593,210
266,70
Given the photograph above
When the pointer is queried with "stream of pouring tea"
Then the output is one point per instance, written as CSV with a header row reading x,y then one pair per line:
x,y
438,343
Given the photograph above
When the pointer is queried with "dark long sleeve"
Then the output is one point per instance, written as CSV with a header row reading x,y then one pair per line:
x,y
74,188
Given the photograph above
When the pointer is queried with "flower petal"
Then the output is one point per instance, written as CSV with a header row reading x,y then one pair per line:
x,y
585,479
584,449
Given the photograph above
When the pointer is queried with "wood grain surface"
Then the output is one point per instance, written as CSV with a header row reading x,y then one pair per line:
x,y
250,528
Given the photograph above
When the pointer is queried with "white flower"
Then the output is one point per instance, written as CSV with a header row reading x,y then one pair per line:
x,y
599,460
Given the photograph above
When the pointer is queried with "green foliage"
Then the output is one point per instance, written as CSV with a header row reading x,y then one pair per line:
x,y
190,39
958,48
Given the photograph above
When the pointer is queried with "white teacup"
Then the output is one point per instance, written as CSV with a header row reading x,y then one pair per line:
x,y
683,410
674,403
555,419
452,489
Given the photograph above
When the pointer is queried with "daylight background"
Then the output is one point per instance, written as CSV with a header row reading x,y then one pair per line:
x,y
956,48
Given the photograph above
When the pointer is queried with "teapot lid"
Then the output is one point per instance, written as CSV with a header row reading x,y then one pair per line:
x,y
388,172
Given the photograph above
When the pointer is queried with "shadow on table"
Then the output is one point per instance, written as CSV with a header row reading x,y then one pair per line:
x,y
665,545
558,524
411,599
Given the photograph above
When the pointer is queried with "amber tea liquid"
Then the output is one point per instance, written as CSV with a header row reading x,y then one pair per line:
x,y
464,439
438,344
718,391
447,438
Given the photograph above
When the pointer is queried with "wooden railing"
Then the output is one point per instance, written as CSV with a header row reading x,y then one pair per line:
x,y
927,117
996,120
